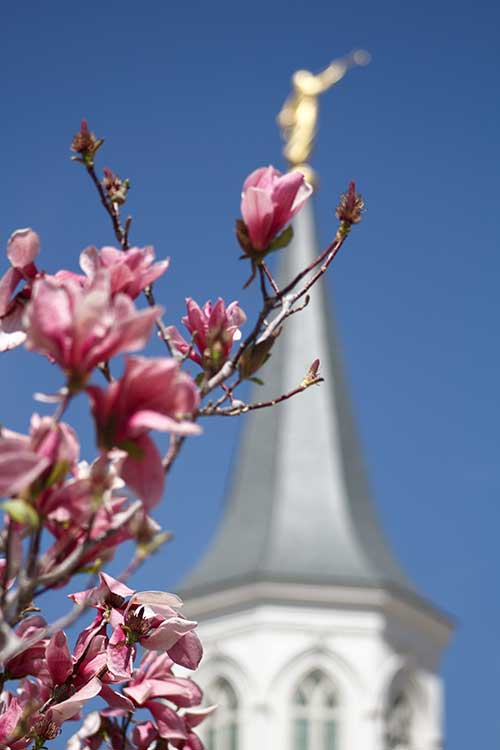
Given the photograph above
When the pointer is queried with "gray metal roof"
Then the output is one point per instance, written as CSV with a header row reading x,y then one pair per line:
x,y
299,507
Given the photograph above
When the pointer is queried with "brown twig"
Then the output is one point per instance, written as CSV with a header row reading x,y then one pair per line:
x,y
160,325
270,278
335,245
283,299
262,280
122,235
110,208
300,307
176,443
126,231
244,408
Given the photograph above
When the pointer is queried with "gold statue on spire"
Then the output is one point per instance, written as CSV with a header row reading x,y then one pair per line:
x,y
299,115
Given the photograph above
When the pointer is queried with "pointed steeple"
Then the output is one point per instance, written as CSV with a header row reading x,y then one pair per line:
x,y
299,509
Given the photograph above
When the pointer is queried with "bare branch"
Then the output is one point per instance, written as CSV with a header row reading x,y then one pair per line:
x,y
234,411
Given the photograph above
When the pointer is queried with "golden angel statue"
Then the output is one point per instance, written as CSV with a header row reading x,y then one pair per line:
x,y
299,115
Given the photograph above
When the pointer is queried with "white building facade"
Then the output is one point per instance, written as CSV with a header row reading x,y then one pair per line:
x,y
314,638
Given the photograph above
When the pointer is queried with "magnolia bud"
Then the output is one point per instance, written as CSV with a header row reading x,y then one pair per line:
x,y
116,188
350,206
85,143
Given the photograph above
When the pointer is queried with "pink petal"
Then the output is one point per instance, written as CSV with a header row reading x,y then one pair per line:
x,y
181,691
23,247
187,652
68,708
145,475
181,344
9,720
194,716
257,210
169,723
235,314
144,734
167,634
156,598
120,655
59,661
152,420
19,467
49,318
89,261
116,586
284,193
217,319
196,323
262,177
116,700
305,191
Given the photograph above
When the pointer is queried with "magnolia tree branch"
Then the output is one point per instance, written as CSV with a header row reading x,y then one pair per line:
x,y
240,408
110,208
284,299
122,236
18,599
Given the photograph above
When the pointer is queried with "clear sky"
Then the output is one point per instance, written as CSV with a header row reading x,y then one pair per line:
x,y
186,95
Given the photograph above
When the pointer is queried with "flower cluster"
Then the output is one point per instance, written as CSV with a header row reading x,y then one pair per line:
x,y
55,685
64,516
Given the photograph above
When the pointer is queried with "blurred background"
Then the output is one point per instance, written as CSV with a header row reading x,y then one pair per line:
x,y
186,96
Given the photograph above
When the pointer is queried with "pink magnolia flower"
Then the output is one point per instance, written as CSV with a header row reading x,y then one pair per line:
x,y
151,394
22,249
268,201
148,618
79,328
130,271
213,329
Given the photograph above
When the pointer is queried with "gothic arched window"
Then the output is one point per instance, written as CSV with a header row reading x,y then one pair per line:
x,y
398,723
315,713
222,726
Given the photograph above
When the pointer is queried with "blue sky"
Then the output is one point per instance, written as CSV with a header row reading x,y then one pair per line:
x,y
186,95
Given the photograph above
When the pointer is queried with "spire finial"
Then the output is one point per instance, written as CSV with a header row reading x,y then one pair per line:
x,y
299,115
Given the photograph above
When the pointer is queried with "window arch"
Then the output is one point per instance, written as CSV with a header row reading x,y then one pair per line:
x,y
399,721
222,726
315,713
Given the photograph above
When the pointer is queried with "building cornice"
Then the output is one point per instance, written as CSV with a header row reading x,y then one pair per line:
x,y
394,605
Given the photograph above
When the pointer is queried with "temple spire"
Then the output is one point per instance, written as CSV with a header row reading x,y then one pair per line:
x,y
299,508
